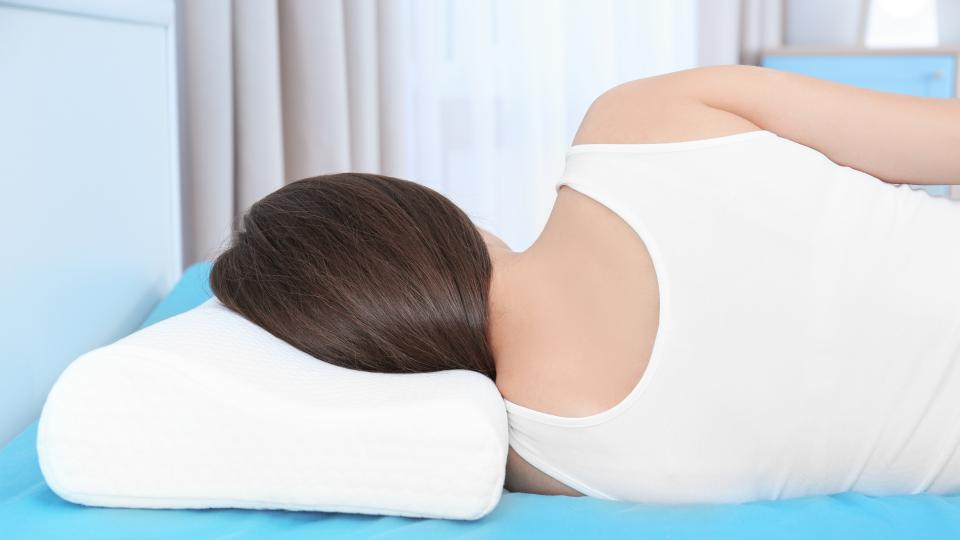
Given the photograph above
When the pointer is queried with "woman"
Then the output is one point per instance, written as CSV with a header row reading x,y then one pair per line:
x,y
735,296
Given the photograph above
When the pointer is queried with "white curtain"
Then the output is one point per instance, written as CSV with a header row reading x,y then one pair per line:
x,y
737,31
477,99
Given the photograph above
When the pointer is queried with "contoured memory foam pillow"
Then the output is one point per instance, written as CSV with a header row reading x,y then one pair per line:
x,y
208,410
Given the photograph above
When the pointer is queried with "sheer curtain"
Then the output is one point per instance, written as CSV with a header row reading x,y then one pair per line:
x,y
492,92
478,99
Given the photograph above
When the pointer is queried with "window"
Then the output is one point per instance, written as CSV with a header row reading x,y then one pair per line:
x,y
901,23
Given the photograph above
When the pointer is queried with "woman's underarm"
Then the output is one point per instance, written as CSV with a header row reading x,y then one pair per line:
x,y
525,478
897,138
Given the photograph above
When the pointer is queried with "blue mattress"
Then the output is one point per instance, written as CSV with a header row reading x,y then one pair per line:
x,y
28,509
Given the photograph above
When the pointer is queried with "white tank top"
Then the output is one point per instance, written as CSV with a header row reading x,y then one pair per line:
x,y
809,334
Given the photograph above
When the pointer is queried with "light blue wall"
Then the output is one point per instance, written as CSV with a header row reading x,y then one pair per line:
x,y
88,183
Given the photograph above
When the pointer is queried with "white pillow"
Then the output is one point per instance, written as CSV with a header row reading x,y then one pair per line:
x,y
208,410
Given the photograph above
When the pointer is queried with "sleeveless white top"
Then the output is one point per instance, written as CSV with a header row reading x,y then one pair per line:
x,y
809,334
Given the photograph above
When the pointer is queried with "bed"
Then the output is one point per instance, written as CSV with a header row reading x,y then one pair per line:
x,y
29,509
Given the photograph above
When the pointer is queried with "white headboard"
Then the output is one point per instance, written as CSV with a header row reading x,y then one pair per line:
x,y
90,180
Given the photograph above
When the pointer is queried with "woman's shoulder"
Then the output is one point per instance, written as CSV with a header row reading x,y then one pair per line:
x,y
657,109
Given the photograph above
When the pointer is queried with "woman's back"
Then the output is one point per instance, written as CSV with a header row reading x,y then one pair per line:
x,y
808,317
597,308
599,329
809,325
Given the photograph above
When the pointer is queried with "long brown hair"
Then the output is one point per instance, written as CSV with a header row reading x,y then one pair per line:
x,y
363,271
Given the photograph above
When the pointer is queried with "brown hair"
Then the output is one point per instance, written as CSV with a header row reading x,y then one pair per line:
x,y
363,271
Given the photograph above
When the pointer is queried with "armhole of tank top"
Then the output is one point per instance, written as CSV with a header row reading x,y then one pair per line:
x,y
599,195
559,476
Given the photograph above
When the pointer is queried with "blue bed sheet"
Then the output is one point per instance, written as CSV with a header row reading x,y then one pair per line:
x,y
28,509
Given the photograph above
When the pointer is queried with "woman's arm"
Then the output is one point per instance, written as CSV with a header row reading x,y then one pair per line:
x,y
897,138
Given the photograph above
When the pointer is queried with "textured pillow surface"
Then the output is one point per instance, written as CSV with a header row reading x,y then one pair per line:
x,y
208,410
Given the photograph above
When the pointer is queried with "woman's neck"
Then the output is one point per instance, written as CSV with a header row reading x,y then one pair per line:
x,y
529,292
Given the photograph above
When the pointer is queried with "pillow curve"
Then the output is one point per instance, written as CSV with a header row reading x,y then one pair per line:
x,y
208,410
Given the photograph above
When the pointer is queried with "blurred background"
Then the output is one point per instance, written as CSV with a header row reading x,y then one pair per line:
x,y
133,132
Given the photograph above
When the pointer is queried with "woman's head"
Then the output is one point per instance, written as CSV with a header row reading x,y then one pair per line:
x,y
363,271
